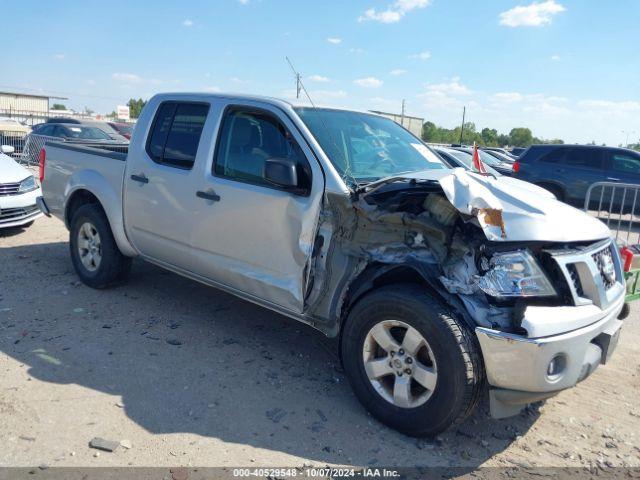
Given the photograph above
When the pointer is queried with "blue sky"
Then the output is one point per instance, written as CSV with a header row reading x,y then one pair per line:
x,y
564,68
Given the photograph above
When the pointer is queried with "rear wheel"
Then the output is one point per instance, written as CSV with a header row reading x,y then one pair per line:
x,y
94,253
556,190
413,365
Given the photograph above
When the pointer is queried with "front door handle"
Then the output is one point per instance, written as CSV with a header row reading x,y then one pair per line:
x,y
140,178
208,195
611,179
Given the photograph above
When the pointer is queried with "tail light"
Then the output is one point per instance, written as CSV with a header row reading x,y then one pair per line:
x,y
516,166
42,158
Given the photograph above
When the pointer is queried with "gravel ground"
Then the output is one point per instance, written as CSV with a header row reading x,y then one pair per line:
x,y
191,376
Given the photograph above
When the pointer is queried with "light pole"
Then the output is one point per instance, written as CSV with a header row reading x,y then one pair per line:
x,y
627,133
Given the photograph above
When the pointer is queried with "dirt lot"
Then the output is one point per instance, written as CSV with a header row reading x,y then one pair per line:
x,y
195,377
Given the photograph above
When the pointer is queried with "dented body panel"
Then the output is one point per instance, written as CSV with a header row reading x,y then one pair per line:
x,y
313,257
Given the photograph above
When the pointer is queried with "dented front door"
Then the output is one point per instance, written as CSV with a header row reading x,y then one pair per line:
x,y
251,235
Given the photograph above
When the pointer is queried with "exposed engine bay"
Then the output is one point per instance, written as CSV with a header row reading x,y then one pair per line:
x,y
455,231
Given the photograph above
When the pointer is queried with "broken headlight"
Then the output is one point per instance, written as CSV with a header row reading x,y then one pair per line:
x,y
515,274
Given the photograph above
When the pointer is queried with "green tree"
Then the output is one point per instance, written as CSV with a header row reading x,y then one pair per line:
x,y
58,106
429,132
489,137
521,137
135,107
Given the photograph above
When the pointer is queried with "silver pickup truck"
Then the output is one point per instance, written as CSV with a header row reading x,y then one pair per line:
x,y
436,281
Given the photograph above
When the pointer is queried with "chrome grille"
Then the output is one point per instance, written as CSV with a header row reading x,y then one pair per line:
x,y
575,279
9,214
604,261
9,189
593,273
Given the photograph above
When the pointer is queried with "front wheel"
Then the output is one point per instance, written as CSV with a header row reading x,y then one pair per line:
x,y
412,364
94,253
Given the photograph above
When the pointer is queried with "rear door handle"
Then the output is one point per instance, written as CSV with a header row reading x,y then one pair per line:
x,y
140,178
208,196
613,179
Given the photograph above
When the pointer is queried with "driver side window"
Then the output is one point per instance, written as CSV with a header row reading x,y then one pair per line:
x,y
247,139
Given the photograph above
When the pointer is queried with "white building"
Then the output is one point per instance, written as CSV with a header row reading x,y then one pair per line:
x,y
25,107
413,124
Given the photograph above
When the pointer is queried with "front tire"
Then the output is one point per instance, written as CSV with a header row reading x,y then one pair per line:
x,y
94,252
412,364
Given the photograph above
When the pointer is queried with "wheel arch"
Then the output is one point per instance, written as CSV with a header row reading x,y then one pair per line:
x,y
553,187
103,195
377,275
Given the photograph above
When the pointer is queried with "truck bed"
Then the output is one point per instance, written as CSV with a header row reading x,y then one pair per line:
x,y
73,166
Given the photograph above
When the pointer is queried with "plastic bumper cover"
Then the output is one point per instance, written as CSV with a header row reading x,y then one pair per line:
x,y
518,368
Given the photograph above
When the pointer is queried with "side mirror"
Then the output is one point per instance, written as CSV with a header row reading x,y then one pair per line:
x,y
282,172
8,149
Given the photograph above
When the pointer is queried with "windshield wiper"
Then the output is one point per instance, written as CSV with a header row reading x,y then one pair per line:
x,y
386,180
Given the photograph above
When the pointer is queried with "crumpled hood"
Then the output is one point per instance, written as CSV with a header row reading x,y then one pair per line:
x,y
512,210
10,171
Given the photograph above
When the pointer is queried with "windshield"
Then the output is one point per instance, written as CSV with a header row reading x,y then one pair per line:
x,y
86,133
364,147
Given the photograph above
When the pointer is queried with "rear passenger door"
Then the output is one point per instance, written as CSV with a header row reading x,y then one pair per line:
x,y
160,183
250,235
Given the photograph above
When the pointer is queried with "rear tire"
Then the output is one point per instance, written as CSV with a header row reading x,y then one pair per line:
x,y
557,191
457,374
94,252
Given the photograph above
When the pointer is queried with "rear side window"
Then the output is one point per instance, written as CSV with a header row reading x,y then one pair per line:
x,y
175,135
554,156
584,157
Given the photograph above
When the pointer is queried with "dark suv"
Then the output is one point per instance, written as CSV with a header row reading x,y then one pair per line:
x,y
568,170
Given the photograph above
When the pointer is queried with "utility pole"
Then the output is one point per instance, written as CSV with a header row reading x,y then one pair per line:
x,y
627,133
298,85
464,111
402,115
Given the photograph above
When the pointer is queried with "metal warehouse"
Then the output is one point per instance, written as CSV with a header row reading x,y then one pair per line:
x,y
413,124
24,107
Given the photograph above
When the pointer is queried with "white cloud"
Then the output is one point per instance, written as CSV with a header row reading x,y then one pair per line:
x,y
625,106
243,2
536,14
452,87
356,50
397,72
59,56
318,78
556,58
368,82
334,40
238,81
212,89
129,78
394,12
187,23
506,97
421,56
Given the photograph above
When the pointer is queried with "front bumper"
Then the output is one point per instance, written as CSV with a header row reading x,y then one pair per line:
x,y
20,209
517,366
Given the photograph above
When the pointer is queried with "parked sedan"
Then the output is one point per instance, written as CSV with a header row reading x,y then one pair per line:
x,y
72,131
504,168
124,129
18,192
